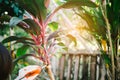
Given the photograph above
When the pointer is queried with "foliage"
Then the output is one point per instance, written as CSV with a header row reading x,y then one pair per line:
x,y
53,26
35,22
104,26
8,8
11,7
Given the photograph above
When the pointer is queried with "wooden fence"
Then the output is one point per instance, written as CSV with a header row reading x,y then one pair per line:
x,y
80,67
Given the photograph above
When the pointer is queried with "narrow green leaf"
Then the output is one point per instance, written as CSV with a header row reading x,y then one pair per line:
x,y
22,50
72,38
65,48
24,42
9,39
61,44
15,38
53,26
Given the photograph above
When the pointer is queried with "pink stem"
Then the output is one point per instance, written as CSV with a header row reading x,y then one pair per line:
x,y
35,39
42,35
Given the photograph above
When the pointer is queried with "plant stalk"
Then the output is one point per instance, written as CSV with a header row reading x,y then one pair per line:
x,y
50,73
110,42
111,48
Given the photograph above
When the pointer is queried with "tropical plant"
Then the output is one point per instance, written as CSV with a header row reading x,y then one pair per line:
x,y
35,22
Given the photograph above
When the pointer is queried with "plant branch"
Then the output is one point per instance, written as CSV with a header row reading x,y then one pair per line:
x,y
110,42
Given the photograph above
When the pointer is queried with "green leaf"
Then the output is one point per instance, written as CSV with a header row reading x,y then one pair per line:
x,y
53,26
9,39
34,7
106,58
78,3
65,48
15,38
72,38
75,4
22,50
24,42
61,44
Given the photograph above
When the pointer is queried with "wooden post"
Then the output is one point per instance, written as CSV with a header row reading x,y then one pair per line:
x,y
76,67
62,62
69,67
85,69
93,68
102,70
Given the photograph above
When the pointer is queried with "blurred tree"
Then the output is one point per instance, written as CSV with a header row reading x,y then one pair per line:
x,y
104,24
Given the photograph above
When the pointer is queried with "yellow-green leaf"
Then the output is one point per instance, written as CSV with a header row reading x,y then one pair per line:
x,y
72,38
61,44
53,26
22,50
65,48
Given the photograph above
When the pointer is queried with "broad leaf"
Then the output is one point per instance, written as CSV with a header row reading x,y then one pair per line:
x,y
78,3
72,38
53,26
22,50
73,4
34,7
